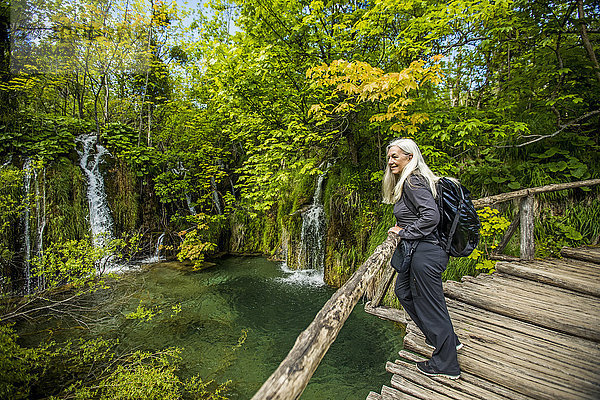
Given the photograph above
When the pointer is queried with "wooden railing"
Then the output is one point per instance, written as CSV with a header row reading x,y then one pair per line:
x,y
525,218
291,377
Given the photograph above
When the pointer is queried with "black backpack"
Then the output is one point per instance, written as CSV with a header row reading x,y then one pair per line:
x,y
458,229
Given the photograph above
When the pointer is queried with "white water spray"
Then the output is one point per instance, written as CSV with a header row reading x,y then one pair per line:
x,y
312,251
156,257
101,223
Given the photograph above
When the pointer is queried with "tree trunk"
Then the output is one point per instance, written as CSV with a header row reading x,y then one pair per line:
x,y
586,40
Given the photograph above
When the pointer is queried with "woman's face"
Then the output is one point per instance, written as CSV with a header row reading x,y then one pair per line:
x,y
397,159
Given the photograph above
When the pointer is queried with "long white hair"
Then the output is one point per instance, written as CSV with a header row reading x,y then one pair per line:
x,y
393,184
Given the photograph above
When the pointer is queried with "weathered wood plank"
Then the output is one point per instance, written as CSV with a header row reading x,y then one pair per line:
x,y
578,315
469,315
388,393
383,312
291,377
577,362
454,389
474,380
507,372
558,277
504,283
591,254
374,396
584,270
423,391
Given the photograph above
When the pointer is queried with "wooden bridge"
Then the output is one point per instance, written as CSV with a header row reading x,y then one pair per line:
x,y
531,330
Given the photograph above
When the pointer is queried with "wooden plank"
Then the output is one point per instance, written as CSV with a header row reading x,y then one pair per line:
x,y
574,264
426,392
580,319
474,380
291,377
454,389
537,348
388,393
389,313
585,271
591,254
514,375
374,396
578,315
558,277
518,286
544,337
551,371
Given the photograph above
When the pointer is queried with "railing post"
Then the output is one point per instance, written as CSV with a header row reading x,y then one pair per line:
x,y
526,208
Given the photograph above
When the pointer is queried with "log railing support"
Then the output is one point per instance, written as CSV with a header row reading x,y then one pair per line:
x,y
526,215
291,377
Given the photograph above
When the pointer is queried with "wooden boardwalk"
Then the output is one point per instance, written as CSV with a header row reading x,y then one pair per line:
x,y
531,330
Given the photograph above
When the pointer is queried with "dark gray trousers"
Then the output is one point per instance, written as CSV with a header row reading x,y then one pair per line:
x,y
420,292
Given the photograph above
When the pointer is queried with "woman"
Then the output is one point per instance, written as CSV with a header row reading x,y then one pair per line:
x,y
419,288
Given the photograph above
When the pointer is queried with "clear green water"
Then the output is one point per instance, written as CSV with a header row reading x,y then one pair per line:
x,y
255,298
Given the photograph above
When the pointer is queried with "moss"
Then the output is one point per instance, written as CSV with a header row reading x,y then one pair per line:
x,y
66,202
123,197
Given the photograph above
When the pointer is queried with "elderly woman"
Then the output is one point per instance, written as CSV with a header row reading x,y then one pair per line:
x,y
419,287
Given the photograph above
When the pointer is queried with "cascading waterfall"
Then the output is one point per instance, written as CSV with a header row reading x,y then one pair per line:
x,y
33,235
156,257
101,223
312,252
40,211
190,205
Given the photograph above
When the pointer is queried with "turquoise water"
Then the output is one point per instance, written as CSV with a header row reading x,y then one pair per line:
x,y
253,301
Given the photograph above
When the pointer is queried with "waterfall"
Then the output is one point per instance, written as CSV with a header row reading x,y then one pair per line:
x,y
156,256
312,251
27,169
100,219
40,216
190,205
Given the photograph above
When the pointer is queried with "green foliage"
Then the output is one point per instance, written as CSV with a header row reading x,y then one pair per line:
x,y
66,202
11,206
195,246
493,226
16,364
76,263
571,228
92,368
47,137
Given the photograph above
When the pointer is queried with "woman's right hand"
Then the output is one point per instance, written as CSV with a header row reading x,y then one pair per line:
x,y
395,229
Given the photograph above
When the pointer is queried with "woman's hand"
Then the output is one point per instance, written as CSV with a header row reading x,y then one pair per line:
x,y
395,229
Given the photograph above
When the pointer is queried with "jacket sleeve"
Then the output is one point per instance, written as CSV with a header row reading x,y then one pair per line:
x,y
428,216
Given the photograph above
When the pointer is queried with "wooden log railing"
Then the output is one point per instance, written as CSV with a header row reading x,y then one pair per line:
x,y
525,218
291,377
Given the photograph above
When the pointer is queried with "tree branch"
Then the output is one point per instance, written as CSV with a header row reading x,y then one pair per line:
x,y
562,128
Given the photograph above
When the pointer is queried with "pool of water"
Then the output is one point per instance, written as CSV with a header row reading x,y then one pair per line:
x,y
238,320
